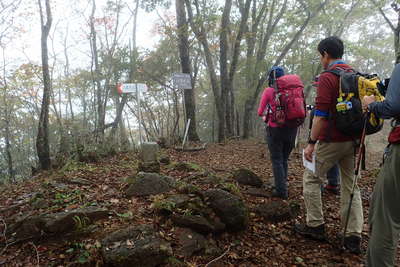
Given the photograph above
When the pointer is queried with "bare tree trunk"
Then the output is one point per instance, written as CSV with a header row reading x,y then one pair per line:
x,y
230,96
42,141
10,164
201,36
183,44
223,64
96,73
7,118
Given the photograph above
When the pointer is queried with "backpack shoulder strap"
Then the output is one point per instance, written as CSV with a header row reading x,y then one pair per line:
x,y
337,71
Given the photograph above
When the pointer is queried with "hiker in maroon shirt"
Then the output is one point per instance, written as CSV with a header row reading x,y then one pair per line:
x,y
333,147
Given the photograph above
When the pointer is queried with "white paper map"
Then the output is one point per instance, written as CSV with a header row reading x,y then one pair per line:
x,y
308,164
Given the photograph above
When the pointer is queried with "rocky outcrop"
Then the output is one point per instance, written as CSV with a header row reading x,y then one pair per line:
x,y
135,246
229,208
146,184
247,177
57,223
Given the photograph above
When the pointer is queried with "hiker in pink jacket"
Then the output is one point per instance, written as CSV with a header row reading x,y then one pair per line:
x,y
282,107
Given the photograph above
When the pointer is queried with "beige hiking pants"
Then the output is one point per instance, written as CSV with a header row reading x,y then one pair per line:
x,y
327,155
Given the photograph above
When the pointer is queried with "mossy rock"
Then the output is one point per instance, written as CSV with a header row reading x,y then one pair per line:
x,y
164,159
186,166
247,177
231,188
135,246
229,208
153,167
166,206
190,189
146,184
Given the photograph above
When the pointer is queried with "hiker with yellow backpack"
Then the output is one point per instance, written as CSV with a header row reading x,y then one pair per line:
x,y
384,212
339,128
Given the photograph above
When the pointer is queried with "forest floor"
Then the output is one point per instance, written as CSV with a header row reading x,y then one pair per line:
x,y
262,244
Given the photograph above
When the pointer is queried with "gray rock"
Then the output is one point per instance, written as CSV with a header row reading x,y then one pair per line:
x,y
198,223
164,159
190,242
247,177
179,200
146,184
149,152
278,211
135,246
73,220
195,222
57,223
186,167
168,205
152,167
229,208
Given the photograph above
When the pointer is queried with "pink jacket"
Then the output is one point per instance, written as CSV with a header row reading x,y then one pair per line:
x,y
286,81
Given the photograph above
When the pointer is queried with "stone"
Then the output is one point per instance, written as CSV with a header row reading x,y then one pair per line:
x,y
191,189
146,184
135,246
149,152
168,205
190,242
186,167
164,159
247,177
195,222
179,200
279,210
149,166
57,223
229,208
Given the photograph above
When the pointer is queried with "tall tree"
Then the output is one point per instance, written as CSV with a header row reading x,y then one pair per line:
x,y
394,27
42,141
183,45
220,89
258,75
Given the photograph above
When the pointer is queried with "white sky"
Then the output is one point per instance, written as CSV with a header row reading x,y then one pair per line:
x,y
25,45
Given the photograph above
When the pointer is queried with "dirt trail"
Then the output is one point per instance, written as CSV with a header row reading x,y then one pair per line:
x,y
262,244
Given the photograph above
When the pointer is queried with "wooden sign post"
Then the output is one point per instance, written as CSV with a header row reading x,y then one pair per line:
x,y
183,81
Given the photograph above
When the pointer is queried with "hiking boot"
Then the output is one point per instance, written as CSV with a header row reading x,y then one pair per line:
x,y
353,244
334,189
317,233
279,195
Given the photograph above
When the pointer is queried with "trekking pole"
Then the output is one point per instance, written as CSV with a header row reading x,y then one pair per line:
x,y
357,174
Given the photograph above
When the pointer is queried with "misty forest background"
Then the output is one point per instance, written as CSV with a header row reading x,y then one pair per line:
x,y
63,104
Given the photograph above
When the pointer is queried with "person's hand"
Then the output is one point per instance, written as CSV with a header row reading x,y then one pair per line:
x,y
366,101
308,152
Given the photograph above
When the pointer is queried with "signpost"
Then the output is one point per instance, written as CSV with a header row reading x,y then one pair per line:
x,y
129,88
183,81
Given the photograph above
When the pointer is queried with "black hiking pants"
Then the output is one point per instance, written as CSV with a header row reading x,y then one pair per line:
x,y
281,141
